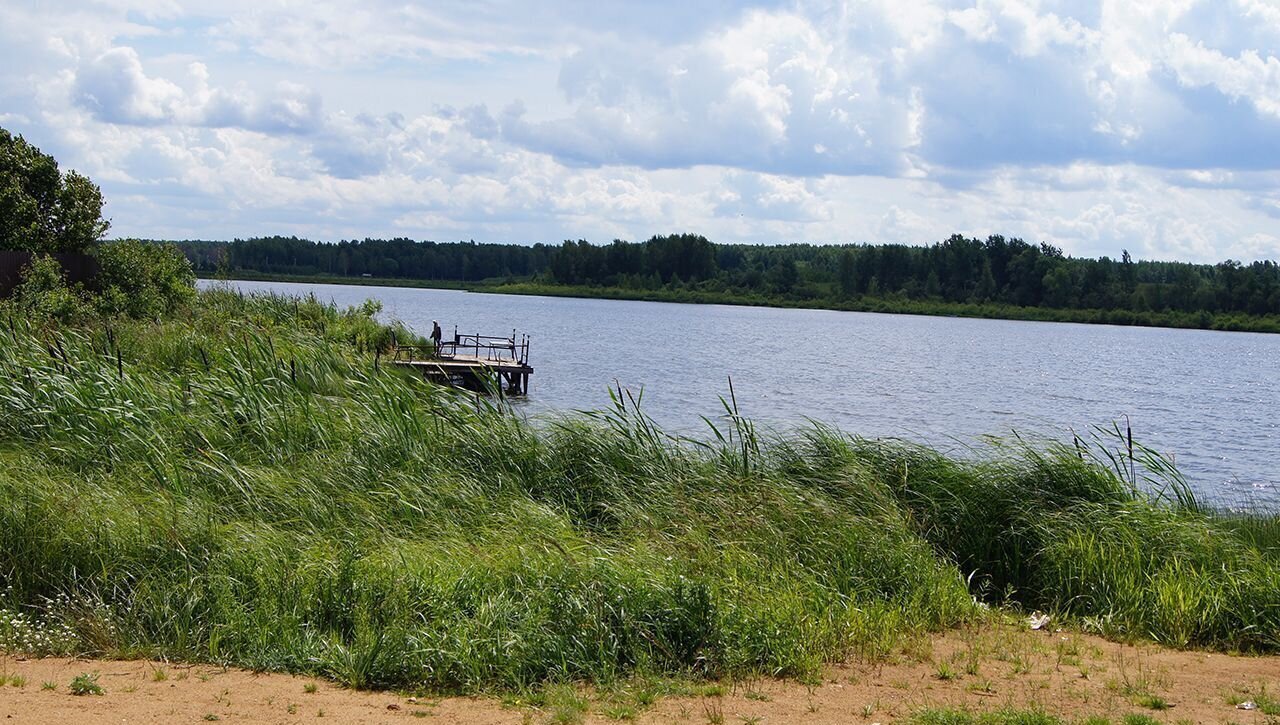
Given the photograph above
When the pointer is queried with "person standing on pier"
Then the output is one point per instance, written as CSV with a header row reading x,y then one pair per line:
x,y
435,336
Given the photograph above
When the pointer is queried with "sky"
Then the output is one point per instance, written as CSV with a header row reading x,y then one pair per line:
x,y
1095,126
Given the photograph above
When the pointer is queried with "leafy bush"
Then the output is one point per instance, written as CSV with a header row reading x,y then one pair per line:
x,y
44,292
137,279
142,279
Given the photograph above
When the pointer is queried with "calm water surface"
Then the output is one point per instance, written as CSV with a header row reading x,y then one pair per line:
x,y
1209,399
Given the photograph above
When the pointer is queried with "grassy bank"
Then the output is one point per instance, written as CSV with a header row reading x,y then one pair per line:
x,y
242,483
902,306
888,305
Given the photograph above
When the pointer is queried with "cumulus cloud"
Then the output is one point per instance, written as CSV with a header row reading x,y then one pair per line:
x,y
1249,77
1095,126
763,196
771,93
842,88
116,89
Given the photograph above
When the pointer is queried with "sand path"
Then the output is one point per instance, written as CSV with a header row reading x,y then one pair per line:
x,y
979,668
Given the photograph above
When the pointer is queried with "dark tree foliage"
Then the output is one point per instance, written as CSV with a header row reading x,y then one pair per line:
x,y
42,209
402,258
958,270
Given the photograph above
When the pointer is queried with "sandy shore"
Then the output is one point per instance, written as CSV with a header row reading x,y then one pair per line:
x,y
981,668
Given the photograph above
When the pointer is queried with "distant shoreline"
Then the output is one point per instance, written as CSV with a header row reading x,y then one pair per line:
x,y
1127,318
336,279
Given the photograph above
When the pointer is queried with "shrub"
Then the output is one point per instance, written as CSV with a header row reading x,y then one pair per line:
x,y
44,292
142,279
86,684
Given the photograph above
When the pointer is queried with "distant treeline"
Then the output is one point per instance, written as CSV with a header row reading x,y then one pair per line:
x,y
388,258
959,271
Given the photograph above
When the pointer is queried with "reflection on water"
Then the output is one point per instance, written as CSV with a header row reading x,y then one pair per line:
x,y
1208,399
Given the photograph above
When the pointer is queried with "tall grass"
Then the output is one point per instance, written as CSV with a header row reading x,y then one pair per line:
x,y
1052,529
246,482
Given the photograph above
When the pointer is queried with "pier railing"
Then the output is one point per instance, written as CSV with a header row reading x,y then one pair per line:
x,y
493,348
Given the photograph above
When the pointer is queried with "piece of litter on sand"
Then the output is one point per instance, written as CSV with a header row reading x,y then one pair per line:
x,y
1037,620
1247,705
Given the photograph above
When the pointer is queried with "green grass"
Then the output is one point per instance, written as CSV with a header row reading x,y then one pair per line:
x,y
951,716
1153,702
248,483
86,684
564,705
947,716
1057,532
1260,530
1266,703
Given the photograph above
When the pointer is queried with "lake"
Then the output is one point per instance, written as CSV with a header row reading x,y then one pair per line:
x,y
1207,399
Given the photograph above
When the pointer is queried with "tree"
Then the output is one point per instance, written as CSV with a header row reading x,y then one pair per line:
x,y
986,288
41,209
932,285
691,257
1127,274
848,274
1059,287
784,275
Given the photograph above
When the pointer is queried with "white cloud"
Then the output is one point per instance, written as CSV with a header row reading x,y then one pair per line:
x,y
115,88
1249,76
764,196
1094,126
976,23
771,93
335,35
904,226
880,88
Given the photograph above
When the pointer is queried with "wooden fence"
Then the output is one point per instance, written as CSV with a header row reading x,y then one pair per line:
x,y
81,268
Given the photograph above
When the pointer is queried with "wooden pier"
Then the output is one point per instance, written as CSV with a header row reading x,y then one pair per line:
x,y
476,362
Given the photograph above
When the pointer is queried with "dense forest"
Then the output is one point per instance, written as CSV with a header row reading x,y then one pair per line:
x,y
995,272
388,258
